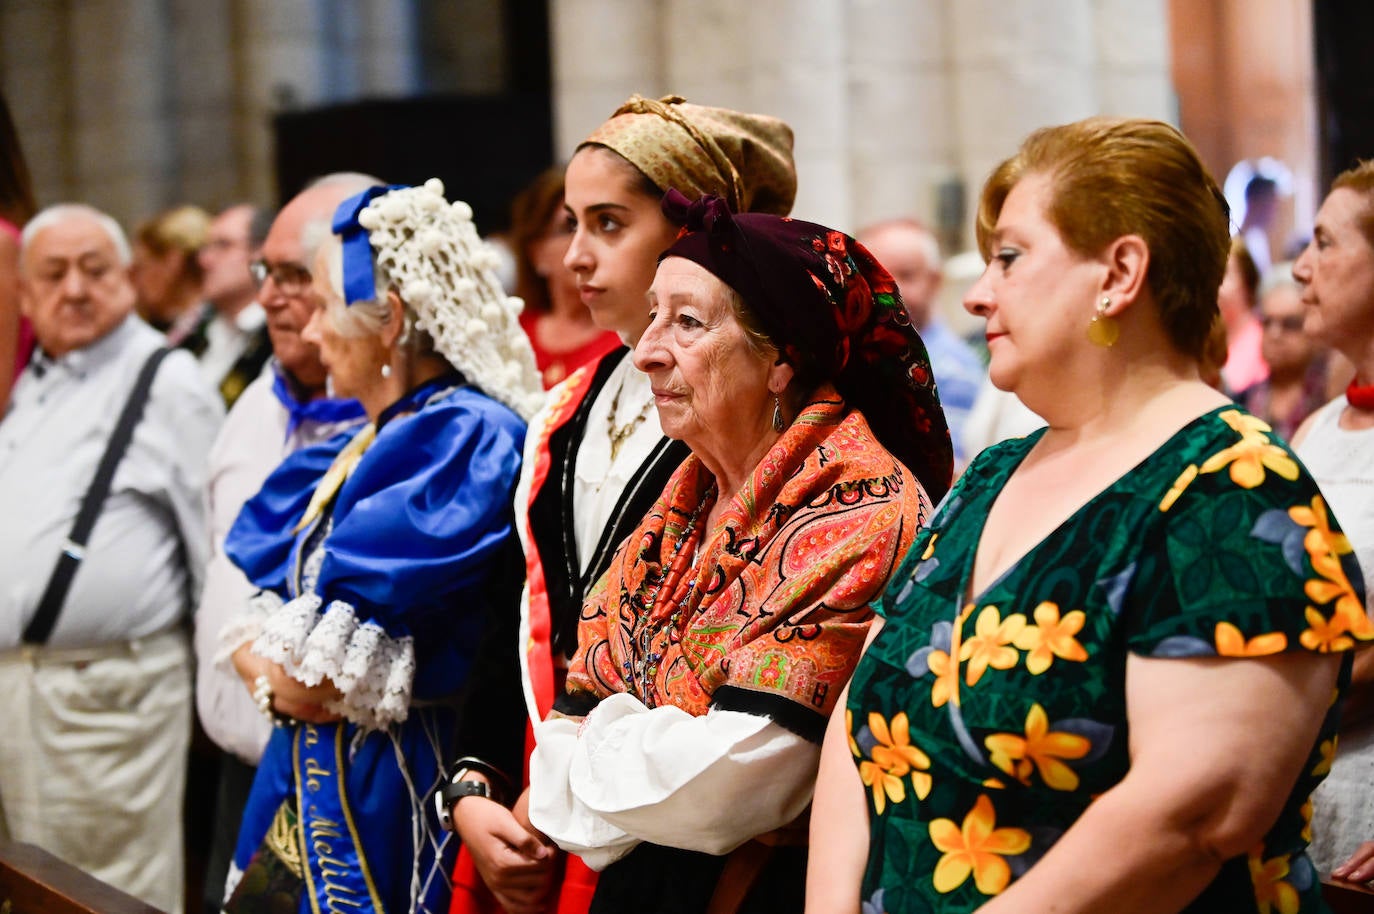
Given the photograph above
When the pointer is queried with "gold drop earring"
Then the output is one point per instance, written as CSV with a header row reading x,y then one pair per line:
x,y
1103,330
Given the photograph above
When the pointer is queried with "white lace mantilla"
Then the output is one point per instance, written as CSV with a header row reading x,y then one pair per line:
x,y
373,671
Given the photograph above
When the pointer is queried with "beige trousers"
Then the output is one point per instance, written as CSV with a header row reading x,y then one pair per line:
x,y
93,745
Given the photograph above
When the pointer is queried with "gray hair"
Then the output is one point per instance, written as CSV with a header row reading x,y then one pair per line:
x,y
61,212
367,318
315,231
361,318
1280,276
930,244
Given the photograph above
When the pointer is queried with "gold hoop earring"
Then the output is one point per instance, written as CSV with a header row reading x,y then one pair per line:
x,y
1103,330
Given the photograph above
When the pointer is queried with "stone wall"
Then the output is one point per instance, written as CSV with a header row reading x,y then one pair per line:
x,y
135,105
899,106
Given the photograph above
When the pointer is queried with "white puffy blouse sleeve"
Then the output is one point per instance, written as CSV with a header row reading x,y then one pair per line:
x,y
627,773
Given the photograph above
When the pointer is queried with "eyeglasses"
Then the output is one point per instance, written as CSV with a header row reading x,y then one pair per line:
x,y
1291,323
289,278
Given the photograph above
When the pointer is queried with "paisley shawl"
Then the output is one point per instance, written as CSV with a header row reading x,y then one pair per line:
x,y
778,606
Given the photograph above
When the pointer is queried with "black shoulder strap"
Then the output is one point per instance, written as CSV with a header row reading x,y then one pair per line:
x,y
74,550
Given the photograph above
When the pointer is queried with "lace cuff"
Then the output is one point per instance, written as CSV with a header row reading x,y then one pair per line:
x,y
373,671
245,626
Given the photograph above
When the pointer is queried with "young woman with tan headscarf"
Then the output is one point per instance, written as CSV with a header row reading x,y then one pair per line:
x,y
595,459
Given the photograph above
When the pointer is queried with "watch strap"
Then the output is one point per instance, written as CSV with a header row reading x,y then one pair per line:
x,y
454,791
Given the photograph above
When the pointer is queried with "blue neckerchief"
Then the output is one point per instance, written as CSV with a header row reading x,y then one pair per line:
x,y
324,410
359,283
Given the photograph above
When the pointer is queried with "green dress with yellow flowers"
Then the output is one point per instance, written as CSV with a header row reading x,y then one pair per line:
x,y
983,729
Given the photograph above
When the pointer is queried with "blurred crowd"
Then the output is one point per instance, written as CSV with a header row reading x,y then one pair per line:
x,y
357,561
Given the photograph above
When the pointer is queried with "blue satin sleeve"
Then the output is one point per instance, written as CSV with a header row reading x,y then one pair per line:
x,y
261,539
421,517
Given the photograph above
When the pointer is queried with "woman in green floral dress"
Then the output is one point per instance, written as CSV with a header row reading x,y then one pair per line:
x,y
1108,673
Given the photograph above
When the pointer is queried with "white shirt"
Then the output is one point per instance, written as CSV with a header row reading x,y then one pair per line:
x,y
149,547
1341,460
249,447
996,416
226,338
598,482
630,774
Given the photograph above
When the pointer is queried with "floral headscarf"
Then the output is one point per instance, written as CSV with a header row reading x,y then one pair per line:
x,y
835,313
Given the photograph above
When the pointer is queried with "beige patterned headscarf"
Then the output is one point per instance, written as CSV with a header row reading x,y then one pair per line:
x,y
745,158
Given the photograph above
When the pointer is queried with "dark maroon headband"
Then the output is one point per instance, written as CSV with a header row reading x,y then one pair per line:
x,y
834,312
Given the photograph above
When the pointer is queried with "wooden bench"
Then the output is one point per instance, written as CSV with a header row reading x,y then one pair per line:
x,y
1348,898
33,881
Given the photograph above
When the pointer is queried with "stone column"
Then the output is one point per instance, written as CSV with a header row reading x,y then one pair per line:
x,y
1017,66
281,65
1132,39
902,121
210,171
125,151
799,57
37,84
602,51
779,57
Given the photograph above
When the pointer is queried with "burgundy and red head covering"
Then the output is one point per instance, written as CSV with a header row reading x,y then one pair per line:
x,y
834,312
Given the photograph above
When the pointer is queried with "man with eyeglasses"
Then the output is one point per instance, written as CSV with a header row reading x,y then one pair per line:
x,y
286,408
232,343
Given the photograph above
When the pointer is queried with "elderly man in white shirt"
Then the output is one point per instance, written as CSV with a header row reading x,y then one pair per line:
x,y
97,717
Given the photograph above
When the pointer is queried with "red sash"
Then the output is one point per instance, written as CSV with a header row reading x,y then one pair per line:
x,y
574,883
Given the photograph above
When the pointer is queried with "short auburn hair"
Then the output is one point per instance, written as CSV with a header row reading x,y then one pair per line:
x,y
1111,177
1360,179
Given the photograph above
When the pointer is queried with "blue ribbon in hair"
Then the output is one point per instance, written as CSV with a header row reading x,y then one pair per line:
x,y
359,282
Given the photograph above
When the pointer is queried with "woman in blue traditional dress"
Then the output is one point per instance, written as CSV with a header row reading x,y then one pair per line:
x,y
380,556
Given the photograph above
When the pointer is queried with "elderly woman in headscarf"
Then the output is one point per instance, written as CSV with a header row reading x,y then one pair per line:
x,y
711,653
380,556
595,461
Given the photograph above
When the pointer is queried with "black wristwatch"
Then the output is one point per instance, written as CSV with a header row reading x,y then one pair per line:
x,y
454,791
457,785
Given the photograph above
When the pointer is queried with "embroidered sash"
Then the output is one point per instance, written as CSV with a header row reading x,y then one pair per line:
x,y
337,876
